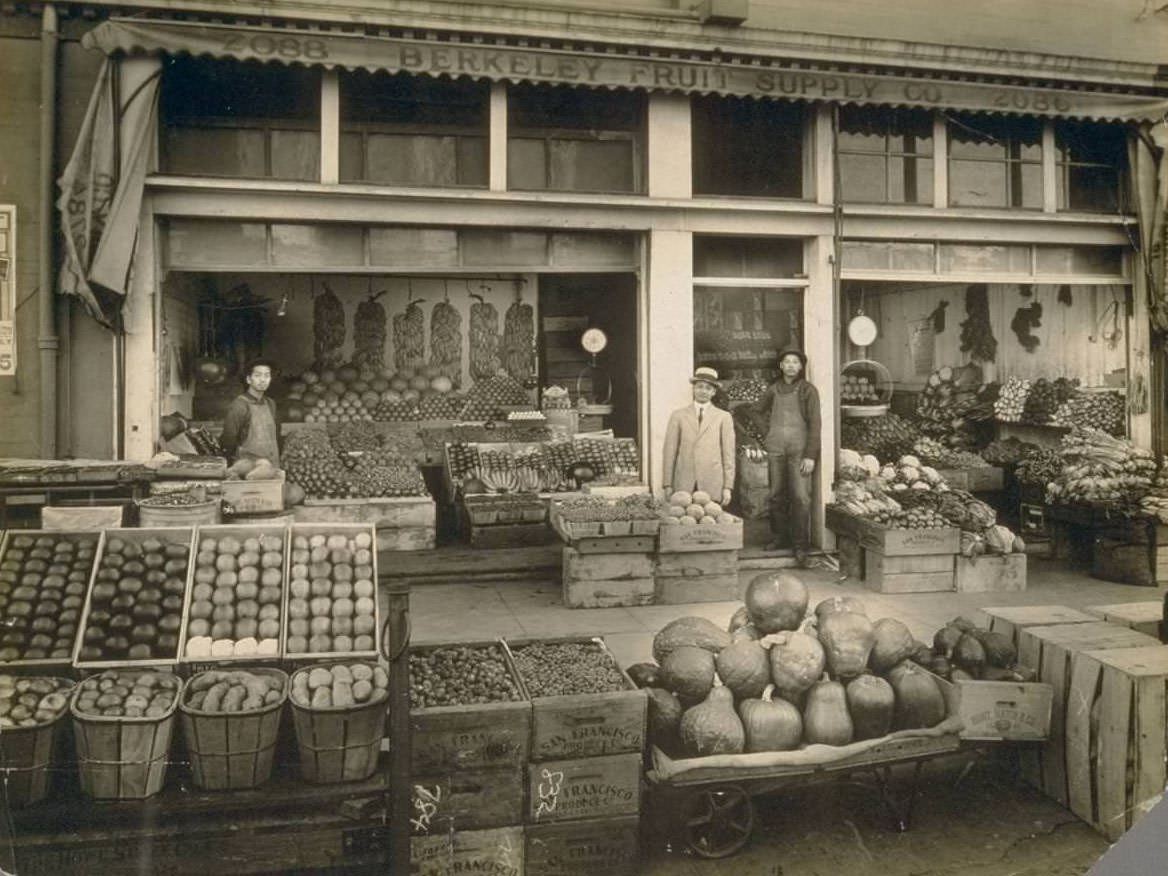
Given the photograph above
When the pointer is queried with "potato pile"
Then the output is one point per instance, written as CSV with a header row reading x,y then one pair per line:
x,y
333,594
339,685
27,702
691,509
236,691
235,601
135,607
123,693
43,579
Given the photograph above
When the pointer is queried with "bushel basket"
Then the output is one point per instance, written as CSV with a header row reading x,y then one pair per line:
x,y
338,743
25,756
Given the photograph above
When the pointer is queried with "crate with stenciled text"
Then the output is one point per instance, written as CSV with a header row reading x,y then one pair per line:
x,y
590,787
583,848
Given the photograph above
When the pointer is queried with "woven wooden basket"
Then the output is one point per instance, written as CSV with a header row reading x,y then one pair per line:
x,y
339,743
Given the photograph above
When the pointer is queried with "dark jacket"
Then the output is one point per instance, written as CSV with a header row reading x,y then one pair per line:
x,y
237,421
760,412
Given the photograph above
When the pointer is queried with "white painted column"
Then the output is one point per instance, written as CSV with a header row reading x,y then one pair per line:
x,y
141,350
497,138
330,127
940,162
823,154
1049,169
670,147
820,341
667,357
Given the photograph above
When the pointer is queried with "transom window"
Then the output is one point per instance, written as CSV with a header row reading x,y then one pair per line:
x,y
995,162
885,155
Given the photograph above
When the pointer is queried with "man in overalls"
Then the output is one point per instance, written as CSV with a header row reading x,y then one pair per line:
x,y
789,416
250,428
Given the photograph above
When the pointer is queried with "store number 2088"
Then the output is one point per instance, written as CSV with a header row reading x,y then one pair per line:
x,y
285,46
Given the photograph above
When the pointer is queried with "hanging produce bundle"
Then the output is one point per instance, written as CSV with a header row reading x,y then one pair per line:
x,y
484,340
1102,471
1012,400
519,340
1099,410
885,437
409,337
369,334
446,341
1046,397
1155,503
328,329
977,335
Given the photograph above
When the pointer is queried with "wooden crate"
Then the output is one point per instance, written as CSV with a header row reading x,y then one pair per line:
x,y
606,567
1116,725
498,850
450,738
1049,651
909,542
592,787
404,523
510,535
586,725
979,479
467,800
253,497
1001,710
1011,619
696,563
584,848
718,537
908,573
1143,617
610,594
991,573
680,590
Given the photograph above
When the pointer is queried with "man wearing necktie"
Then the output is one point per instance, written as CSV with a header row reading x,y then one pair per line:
x,y
699,443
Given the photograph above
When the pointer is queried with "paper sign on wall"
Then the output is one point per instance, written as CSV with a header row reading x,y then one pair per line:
x,y
7,290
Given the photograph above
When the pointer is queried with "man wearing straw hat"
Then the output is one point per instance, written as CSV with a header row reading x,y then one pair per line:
x,y
699,443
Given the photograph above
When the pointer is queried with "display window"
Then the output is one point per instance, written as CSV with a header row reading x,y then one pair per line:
x,y
575,139
243,120
885,155
995,162
748,148
413,130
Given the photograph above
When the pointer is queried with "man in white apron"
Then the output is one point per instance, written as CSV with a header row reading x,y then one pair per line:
x,y
250,427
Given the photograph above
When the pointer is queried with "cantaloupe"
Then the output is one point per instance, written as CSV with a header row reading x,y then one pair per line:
x,y
681,498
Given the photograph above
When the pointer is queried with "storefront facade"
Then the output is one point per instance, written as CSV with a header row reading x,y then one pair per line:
x,y
714,202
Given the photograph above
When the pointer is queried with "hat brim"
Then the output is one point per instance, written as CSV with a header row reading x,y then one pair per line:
x,y
717,384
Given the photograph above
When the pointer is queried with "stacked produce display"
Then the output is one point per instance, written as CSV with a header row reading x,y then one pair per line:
x,y
885,437
349,462
332,604
963,651
1101,471
544,467
693,509
460,675
362,392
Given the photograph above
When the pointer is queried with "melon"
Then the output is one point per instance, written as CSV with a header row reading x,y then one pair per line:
x,y
310,377
713,509
701,497
442,384
687,520
708,521
681,498
676,511
696,511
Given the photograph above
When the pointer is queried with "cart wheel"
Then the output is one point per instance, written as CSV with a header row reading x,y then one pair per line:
x,y
718,821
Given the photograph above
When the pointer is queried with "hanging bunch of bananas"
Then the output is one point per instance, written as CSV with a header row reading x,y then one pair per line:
x,y
518,339
409,337
446,341
484,339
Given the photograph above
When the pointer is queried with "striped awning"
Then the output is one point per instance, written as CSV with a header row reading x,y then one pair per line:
x,y
743,77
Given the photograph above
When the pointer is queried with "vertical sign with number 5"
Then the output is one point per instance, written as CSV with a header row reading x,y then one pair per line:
x,y
7,290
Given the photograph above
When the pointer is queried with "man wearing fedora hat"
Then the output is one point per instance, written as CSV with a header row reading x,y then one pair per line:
x,y
699,443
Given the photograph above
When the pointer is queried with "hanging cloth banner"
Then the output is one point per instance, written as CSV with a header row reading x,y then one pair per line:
x,y
1149,159
354,51
101,193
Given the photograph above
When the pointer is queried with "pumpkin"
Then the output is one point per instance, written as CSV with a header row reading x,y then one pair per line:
x,y
665,712
776,601
645,674
739,619
871,703
744,667
797,662
826,719
694,631
847,639
836,604
748,633
712,726
892,642
688,671
770,724
920,702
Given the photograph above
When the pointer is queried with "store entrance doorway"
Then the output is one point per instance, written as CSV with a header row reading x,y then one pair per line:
x,y
569,305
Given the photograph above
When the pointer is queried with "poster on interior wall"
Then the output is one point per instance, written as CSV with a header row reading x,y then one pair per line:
x,y
7,290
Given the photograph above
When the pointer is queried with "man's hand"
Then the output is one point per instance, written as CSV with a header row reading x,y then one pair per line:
x,y
807,466
725,497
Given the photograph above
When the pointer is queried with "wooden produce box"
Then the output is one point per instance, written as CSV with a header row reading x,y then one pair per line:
x,y
471,737
851,557
584,848
498,850
607,580
1116,725
893,542
1050,651
254,497
979,479
404,523
61,665
1143,617
485,510
1010,620
675,538
697,576
510,535
1130,561
910,573
591,787
467,800
1004,711
990,573
586,725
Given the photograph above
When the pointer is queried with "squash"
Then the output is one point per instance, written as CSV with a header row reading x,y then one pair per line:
x,y
892,642
744,667
946,639
970,655
847,639
749,632
712,726
826,719
645,674
688,672
797,661
920,701
776,601
665,711
999,650
770,724
694,631
871,703
738,620
835,604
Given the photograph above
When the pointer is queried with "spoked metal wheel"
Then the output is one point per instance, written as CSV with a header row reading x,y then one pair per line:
x,y
718,821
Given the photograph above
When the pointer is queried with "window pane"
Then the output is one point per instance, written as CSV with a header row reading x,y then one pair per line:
x,y
591,165
433,247
526,164
411,160
862,129
545,106
910,180
1093,188
201,87
911,131
317,245
1090,143
972,136
373,98
767,257
352,163
503,248
977,184
1099,260
209,243
472,161
233,152
986,258
747,148
295,155
862,178
1029,178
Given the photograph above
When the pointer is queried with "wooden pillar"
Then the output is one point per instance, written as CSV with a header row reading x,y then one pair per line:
x,y
820,341
670,152
330,127
497,138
